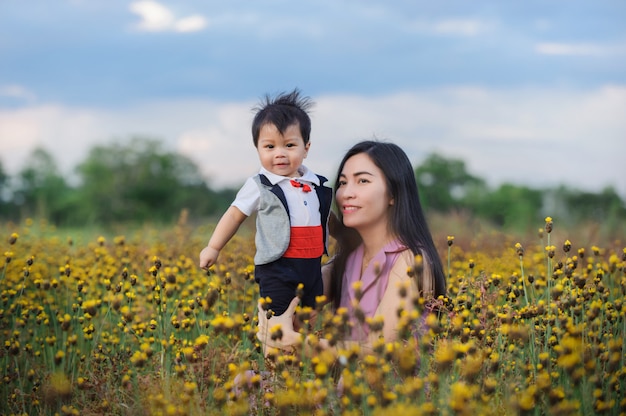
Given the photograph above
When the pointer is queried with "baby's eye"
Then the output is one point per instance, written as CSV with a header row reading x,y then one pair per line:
x,y
290,144
269,146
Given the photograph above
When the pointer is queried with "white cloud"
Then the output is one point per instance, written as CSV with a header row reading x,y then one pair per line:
x,y
157,18
67,133
154,17
465,27
525,136
462,27
190,24
18,92
578,49
539,137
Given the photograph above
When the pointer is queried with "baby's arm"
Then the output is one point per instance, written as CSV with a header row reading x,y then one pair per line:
x,y
224,231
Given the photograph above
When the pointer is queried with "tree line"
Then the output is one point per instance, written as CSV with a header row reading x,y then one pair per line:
x,y
116,184
140,182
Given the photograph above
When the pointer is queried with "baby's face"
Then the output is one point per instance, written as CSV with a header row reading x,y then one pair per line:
x,y
282,154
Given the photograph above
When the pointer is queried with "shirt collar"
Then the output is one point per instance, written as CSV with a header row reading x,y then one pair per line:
x,y
306,175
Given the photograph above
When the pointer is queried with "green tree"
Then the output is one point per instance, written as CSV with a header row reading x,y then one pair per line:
x,y
444,184
41,191
580,207
4,179
6,200
140,181
596,207
512,206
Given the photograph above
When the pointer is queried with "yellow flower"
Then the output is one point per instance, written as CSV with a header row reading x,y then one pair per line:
x,y
460,396
58,357
219,395
567,245
489,385
320,301
321,370
276,332
432,322
139,358
65,321
91,307
526,399
201,341
60,386
8,256
445,354
569,361
548,226
300,290
190,387
189,354
357,286
371,400
81,382
265,302
472,364
407,359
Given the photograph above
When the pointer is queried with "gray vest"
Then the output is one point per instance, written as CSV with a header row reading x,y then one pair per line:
x,y
272,221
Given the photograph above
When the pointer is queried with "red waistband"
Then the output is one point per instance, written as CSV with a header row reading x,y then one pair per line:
x,y
305,243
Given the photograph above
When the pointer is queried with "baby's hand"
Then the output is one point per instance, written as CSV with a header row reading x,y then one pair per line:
x,y
208,257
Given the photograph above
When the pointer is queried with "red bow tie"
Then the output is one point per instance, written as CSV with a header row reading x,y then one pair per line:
x,y
304,186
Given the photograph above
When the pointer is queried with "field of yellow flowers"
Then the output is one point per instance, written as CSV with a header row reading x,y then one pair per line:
x,y
130,325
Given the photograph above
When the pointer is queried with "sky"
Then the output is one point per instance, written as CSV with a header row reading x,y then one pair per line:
x,y
525,92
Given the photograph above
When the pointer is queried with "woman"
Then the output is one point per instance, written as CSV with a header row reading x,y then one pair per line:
x,y
383,232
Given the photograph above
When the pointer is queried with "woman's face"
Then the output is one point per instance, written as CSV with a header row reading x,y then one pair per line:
x,y
362,195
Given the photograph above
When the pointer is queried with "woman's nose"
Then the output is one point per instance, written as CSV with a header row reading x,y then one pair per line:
x,y
347,191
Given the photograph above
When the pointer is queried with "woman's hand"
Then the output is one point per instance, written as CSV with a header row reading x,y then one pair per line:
x,y
271,336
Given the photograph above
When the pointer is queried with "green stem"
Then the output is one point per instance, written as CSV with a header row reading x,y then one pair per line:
x,y
549,271
521,265
449,272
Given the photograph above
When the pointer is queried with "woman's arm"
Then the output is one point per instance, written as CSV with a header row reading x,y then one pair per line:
x,y
326,278
399,294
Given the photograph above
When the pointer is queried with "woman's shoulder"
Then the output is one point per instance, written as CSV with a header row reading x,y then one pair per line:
x,y
404,262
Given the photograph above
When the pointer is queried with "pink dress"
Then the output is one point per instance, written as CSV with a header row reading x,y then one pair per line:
x,y
374,283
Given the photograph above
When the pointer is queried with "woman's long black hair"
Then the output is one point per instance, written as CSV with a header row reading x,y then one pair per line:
x,y
407,220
